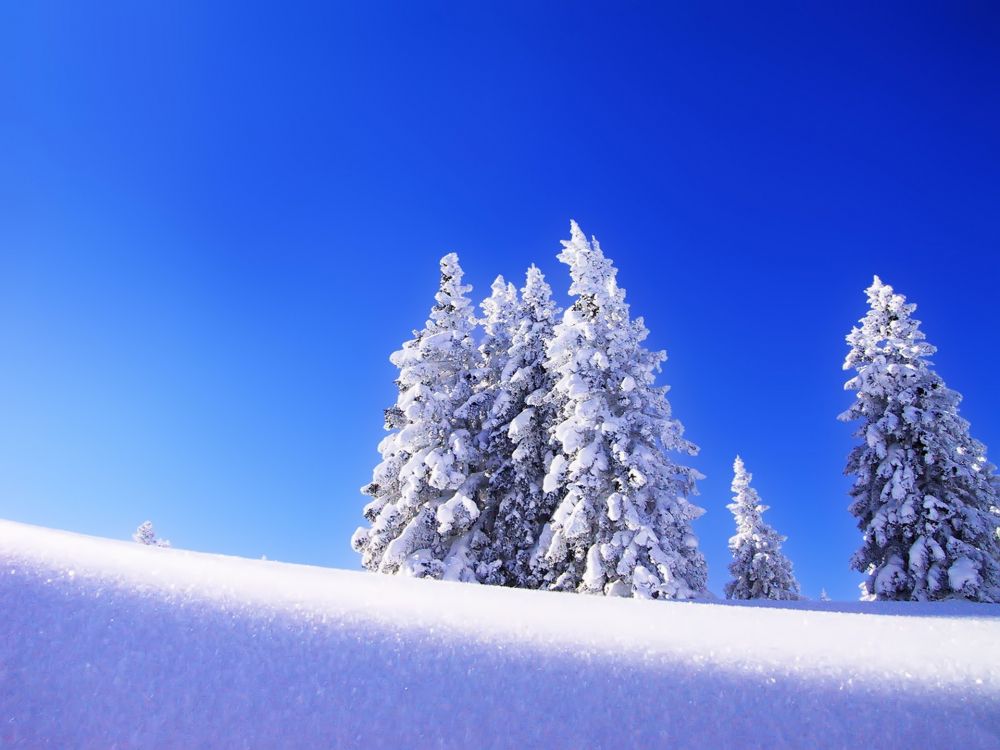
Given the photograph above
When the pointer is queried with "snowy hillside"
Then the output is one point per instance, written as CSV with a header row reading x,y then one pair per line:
x,y
113,644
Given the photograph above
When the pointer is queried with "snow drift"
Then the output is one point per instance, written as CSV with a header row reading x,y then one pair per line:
x,y
114,644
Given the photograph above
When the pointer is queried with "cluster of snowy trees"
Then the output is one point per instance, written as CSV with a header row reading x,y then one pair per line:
x,y
531,447
540,455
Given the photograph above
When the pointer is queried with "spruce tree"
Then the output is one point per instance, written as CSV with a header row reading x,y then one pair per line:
x,y
759,569
500,310
518,437
924,493
425,491
622,523
486,407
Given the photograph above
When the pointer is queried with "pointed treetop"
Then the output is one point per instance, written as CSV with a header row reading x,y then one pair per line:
x,y
882,297
451,279
501,293
453,309
578,243
593,275
450,266
887,330
498,308
741,477
747,500
536,291
533,277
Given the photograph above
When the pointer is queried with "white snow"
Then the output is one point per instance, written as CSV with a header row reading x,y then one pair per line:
x,y
114,644
519,424
555,473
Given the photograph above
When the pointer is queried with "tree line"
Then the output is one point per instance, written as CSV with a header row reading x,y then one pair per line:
x,y
531,447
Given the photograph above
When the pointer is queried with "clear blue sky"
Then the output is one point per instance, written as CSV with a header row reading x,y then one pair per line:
x,y
217,222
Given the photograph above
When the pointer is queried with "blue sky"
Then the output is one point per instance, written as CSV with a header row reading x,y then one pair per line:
x,y
217,222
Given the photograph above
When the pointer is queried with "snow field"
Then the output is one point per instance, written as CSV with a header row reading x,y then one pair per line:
x,y
114,644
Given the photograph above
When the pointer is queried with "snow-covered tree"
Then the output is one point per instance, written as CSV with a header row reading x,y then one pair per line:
x,y
146,535
760,570
924,492
622,523
499,313
518,426
823,596
499,310
424,510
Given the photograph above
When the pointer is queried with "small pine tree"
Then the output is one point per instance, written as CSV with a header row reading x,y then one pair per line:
x,y
924,493
823,596
759,569
424,510
518,438
146,535
622,523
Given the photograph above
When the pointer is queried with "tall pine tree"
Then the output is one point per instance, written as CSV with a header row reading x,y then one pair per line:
x,y
759,569
497,321
424,509
924,493
622,523
518,438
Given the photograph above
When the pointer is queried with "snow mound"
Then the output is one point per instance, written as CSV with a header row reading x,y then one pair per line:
x,y
118,645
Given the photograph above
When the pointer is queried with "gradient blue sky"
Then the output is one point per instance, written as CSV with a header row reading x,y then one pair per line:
x,y
217,222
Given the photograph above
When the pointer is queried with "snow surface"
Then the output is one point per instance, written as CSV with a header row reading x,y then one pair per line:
x,y
109,644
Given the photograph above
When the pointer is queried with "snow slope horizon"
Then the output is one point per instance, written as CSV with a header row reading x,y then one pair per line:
x,y
113,644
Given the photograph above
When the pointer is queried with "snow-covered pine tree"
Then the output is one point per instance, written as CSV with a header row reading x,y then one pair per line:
x,y
760,570
622,525
499,312
923,489
823,596
146,535
518,437
424,509
487,405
